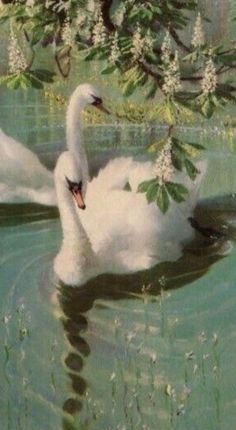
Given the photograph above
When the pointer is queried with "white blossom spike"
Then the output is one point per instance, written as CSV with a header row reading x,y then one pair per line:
x,y
137,49
17,62
172,81
166,49
67,33
99,34
115,50
209,80
198,38
163,165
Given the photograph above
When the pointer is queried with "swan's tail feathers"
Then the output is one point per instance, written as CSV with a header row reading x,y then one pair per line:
x,y
115,175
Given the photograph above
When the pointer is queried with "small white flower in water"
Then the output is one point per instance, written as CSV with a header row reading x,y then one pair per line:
x,y
170,391
186,392
153,357
117,322
112,377
67,33
130,336
6,319
172,81
189,355
202,337
99,35
25,382
166,49
164,171
195,369
180,409
205,356
146,288
115,50
209,80
198,38
215,339
162,279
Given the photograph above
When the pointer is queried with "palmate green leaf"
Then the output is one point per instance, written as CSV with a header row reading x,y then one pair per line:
x,y
162,199
176,191
191,170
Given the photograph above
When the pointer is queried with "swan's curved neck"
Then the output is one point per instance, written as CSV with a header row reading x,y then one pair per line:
x,y
74,133
74,234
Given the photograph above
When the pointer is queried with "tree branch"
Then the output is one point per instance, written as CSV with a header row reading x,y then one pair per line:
x,y
105,11
178,40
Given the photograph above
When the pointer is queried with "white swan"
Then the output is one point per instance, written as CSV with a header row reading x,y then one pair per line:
x,y
22,177
119,232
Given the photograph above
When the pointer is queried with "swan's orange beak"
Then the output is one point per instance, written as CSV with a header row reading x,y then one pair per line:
x,y
79,199
102,108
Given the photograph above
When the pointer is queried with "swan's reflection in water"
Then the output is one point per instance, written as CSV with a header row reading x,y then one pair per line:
x,y
76,303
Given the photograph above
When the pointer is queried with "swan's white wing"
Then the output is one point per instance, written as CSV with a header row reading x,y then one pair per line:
x,y
22,176
115,175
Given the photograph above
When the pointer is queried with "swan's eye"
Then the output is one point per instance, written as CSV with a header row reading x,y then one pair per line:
x,y
97,101
74,187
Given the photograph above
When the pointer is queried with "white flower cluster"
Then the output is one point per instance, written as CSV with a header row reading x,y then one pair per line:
x,y
166,49
163,165
30,3
172,81
209,81
137,44
17,62
99,34
115,50
67,33
58,6
198,38
141,44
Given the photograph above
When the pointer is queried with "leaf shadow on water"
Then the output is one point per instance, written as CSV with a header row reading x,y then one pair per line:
x,y
217,214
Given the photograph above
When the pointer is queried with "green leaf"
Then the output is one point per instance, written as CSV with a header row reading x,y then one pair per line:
x,y
38,34
14,82
177,160
191,170
43,75
195,145
143,187
207,108
35,82
129,88
162,199
176,191
109,69
152,191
